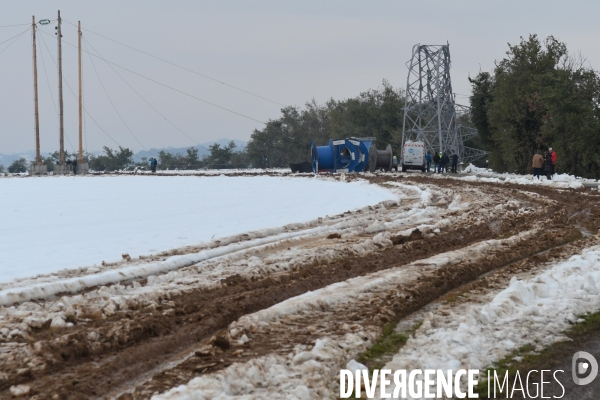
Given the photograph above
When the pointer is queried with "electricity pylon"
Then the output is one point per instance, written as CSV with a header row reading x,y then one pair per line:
x,y
430,111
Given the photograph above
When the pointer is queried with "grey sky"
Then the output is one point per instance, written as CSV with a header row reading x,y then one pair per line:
x,y
287,51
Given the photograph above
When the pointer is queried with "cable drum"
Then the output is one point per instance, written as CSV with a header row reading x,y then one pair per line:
x,y
322,157
346,155
380,159
363,148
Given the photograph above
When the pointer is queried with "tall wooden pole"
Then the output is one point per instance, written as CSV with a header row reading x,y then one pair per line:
x,y
60,93
38,159
80,98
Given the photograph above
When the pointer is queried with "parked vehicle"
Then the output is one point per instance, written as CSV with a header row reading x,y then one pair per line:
x,y
413,156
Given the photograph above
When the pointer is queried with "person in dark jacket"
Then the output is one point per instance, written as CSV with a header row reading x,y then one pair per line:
x,y
436,161
454,162
548,165
153,163
445,160
428,161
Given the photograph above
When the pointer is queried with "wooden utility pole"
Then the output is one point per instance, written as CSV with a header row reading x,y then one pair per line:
x,y
60,93
38,159
80,97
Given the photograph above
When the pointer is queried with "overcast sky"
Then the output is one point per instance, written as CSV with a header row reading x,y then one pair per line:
x,y
286,51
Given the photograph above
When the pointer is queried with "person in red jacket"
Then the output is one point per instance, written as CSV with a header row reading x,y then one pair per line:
x,y
553,155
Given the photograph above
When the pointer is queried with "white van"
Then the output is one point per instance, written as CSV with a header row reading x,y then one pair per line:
x,y
413,156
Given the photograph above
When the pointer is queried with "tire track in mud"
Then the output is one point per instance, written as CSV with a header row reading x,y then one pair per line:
x,y
386,307
139,342
142,342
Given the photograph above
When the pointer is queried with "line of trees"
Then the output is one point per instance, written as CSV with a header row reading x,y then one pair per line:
x,y
537,97
219,157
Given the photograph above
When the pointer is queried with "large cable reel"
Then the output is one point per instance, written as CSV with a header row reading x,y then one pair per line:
x,y
346,155
380,159
363,148
323,157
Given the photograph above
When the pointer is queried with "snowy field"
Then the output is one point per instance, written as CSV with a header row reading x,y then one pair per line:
x,y
49,224
255,287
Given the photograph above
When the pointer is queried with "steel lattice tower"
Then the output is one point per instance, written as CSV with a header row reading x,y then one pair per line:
x,y
430,113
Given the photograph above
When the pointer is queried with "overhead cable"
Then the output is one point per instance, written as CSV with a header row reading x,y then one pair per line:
x,y
180,66
9,26
74,95
169,87
140,96
47,80
111,102
16,37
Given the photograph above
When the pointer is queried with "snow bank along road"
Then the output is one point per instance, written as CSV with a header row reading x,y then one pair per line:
x,y
276,313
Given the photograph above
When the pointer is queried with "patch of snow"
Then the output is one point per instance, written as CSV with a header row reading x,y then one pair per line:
x,y
303,375
487,175
536,309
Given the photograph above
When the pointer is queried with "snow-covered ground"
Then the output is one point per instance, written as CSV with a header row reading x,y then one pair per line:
x,y
531,310
199,233
49,224
308,374
208,172
487,175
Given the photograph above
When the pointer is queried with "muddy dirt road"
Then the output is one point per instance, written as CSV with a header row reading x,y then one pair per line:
x,y
270,302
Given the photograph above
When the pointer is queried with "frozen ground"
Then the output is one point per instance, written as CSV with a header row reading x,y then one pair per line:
x,y
276,312
307,374
487,175
49,224
533,309
211,172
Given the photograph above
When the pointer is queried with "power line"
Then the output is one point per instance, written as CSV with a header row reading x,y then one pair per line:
x,y
182,67
85,135
17,38
47,80
111,102
141,97
9,26
74,95
170,87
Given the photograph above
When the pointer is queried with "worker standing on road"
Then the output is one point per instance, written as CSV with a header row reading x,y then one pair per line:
x,y
395,163
428,161
454,162
445,160
548,166
537,163
437,161
553,155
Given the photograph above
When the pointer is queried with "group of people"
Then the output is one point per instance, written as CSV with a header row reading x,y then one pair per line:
x,y
546,162
73,164
440,162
